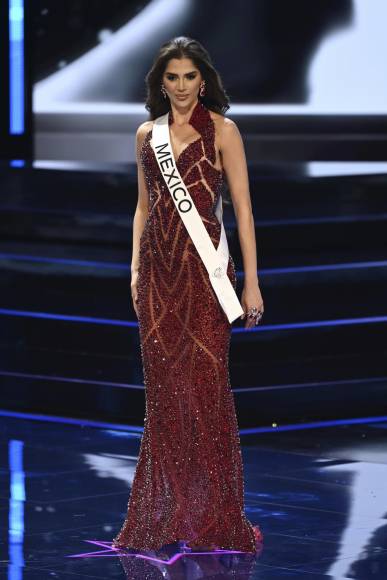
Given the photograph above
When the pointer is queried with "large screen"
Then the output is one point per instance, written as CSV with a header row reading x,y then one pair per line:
x,y
324,56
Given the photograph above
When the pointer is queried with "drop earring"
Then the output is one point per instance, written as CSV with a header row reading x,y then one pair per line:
x,y
163,91
202,91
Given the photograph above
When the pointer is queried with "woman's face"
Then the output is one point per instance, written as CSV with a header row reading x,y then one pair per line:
x,y
182,78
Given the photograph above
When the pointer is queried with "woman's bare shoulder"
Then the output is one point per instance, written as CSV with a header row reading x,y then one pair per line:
x,y
144,128
142,132
224,126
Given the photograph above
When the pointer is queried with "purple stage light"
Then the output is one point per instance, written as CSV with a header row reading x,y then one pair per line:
x,y
109,551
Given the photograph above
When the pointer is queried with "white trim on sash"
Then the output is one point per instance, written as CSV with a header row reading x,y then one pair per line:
x,y
215,260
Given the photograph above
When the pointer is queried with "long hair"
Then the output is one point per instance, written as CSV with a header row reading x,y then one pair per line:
x,y
215,97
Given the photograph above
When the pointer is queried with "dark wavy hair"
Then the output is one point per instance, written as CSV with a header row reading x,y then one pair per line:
x,y
215,97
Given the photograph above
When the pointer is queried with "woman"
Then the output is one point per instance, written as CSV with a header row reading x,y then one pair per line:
x,y
188,484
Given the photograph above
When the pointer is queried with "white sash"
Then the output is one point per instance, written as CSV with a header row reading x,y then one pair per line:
x,y
215,260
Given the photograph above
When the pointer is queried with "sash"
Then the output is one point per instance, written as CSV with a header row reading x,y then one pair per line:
x,y
215,260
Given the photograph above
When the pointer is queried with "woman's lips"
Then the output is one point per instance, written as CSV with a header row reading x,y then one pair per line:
x,y
182,97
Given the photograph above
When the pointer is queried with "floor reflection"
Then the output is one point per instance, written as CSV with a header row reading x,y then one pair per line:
x,y
367,512
320,499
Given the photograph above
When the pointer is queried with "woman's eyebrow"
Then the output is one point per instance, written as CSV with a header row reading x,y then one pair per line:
x,y
188,73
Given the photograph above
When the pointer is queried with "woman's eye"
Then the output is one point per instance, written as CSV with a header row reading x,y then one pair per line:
x,y
171,78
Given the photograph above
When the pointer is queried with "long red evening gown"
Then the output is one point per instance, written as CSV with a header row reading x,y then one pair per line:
x,y
188,483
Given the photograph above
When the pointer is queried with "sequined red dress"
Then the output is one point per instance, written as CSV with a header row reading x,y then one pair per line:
x,y
188,483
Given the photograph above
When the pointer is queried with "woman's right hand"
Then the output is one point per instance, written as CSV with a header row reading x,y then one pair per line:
x,y
133,288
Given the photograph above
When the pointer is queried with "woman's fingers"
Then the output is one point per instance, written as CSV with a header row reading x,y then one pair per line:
x,y
252,321
135,301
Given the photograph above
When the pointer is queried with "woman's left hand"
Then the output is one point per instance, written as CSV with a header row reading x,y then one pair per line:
x,y
251,296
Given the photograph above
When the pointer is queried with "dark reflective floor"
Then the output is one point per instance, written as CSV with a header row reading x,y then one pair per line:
x,y
319,495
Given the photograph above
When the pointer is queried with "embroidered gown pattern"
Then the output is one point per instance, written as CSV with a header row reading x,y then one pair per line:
x,y
188,482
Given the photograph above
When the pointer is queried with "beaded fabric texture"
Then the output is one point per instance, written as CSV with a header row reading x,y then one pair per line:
x,y
188,482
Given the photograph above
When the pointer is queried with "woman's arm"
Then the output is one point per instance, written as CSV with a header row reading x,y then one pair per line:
x,y
235,167
141,213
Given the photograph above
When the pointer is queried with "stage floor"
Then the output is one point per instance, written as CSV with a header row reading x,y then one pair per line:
x,y
319,495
